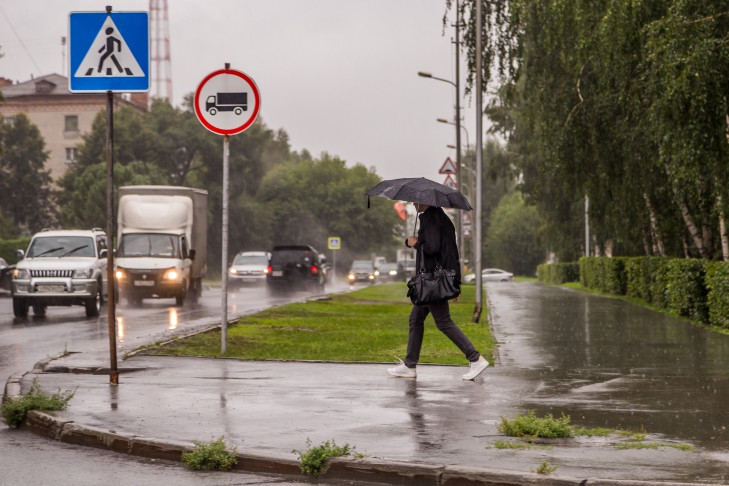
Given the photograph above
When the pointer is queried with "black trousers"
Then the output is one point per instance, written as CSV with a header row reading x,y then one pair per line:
x,y
442,315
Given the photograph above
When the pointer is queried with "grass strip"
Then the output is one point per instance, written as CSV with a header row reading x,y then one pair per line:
x,y
365,325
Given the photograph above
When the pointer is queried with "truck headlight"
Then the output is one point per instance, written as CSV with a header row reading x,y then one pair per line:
x,y
171,274
21,274
83,273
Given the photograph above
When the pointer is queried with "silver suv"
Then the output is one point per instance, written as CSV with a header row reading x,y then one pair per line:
x,y
66,267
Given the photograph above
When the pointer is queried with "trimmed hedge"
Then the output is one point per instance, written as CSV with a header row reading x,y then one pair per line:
x,y
692,288
8,248
717,299
558,273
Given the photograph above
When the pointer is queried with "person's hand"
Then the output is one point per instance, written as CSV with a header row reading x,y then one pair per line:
x,y
455,300
412,240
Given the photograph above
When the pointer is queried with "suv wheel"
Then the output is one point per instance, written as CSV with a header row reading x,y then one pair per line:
x,y
20,307
39,310
93,304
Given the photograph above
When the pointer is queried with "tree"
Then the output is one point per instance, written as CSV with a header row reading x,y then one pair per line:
x,y
83,202
25,193
314,199
624,102
513,240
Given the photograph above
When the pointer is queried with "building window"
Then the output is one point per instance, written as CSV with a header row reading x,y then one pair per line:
x,y
70,155
70,126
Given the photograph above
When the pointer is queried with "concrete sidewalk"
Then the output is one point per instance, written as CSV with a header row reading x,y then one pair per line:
x,y
437,429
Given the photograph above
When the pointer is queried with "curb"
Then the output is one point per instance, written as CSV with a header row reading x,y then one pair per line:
x,y
368,470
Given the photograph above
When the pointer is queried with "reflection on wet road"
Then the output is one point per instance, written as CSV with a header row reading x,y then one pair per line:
x,y
609,363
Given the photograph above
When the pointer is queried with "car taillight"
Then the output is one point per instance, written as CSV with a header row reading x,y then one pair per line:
x,y
269,269
314,270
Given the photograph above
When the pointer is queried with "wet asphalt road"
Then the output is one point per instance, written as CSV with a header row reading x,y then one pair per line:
x,y
608,363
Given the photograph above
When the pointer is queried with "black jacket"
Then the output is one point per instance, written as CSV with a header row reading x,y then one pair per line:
x,y
437,239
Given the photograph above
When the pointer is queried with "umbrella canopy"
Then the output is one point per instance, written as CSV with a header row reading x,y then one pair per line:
x,y
421,190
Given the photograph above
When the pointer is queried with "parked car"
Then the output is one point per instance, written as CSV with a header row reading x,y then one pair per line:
x,y
408,268
490,275
361,271
296,267
248,267
61,268
391,272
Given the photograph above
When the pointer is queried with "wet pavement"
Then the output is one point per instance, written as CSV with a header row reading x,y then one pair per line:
x,y
601,361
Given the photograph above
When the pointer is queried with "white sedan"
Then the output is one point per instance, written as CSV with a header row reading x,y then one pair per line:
x,y
490,275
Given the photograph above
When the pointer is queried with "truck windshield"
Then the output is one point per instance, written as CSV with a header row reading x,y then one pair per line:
x,y
60,246
149,245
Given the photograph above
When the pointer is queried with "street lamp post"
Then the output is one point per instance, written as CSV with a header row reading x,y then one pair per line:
x,y
422,74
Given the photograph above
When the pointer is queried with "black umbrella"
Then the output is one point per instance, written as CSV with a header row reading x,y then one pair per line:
x,y
421,190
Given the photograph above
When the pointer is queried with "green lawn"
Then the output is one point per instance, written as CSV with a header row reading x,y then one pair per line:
x,y
369,325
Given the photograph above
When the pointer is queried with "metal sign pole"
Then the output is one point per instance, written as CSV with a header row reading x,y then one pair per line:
x,y
224,266
111,310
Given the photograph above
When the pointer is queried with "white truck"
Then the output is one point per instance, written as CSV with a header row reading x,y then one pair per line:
x,y
162,243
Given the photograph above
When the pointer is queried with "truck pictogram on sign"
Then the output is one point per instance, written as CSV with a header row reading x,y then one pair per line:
x,y
235,102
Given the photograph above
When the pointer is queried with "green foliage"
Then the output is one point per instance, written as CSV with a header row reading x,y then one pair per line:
x,y
83,203
312,199
366,325
15,410
717,284
25,183
531,426
546,468
313,461
686,291
617,101
9,247
513,239
211,456
558,273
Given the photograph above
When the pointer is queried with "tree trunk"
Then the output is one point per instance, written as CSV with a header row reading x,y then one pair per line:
x,y
689,222
656,238
723,229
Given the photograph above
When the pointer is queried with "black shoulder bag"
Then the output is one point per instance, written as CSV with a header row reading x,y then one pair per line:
x,y
430,287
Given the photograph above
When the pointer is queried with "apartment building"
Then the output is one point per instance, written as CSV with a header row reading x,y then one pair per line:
x,y
61,116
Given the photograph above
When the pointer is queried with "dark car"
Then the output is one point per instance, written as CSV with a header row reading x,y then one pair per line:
x,y
391,272
296,267
361,271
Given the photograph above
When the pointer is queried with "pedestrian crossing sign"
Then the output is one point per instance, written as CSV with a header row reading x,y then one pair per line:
x,y
108,51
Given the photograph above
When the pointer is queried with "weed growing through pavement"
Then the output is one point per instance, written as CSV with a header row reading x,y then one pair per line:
x,y
531,426
211,456
520,445
15,410
546,468
313,461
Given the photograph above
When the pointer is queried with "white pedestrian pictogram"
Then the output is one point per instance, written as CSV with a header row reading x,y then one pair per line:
x,y
109,55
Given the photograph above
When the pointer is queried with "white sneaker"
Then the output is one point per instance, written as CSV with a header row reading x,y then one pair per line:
x,y
476,368
402,371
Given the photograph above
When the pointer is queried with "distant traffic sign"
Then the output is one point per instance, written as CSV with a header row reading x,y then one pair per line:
x,y
448,167
334,243
227,102
108,52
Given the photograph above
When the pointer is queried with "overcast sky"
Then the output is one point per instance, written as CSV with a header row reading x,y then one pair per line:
x,y
339,76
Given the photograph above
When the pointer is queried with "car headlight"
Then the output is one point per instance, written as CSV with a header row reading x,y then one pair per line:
x,y
83,273
171,274
21,273
120,274
351,276
233,271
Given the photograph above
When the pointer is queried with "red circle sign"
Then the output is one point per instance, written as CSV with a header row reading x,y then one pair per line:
x,y
227,102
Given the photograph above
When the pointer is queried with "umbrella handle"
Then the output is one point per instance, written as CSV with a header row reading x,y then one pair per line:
x,y
415,228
